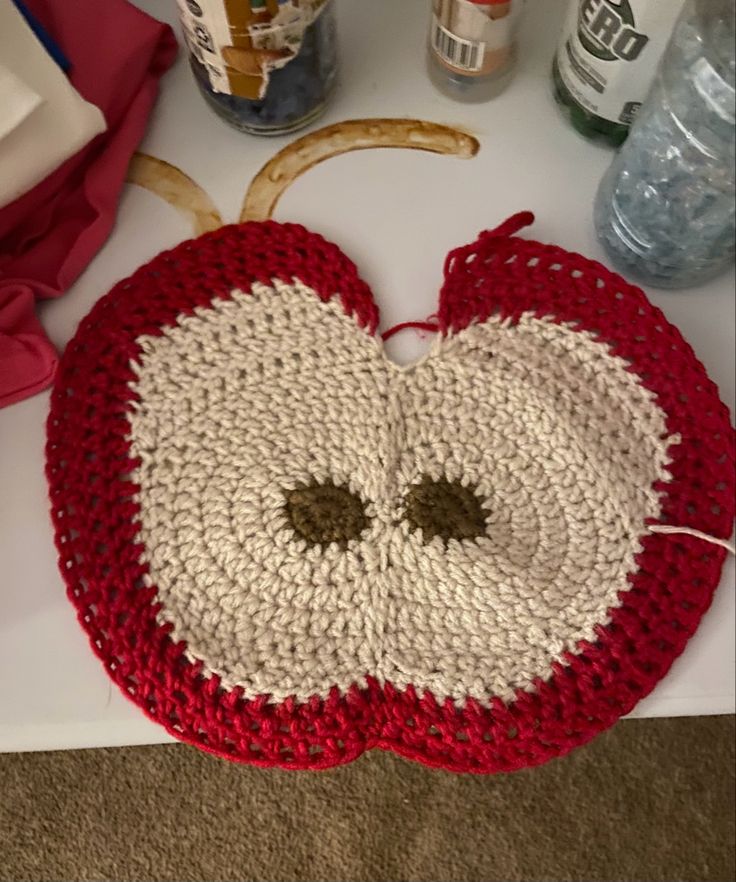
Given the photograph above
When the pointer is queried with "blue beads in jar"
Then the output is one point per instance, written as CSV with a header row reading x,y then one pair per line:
x,y
267,67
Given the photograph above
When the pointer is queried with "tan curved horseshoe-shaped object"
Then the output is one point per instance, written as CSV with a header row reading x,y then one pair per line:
x,y
267,187
176,188
298,157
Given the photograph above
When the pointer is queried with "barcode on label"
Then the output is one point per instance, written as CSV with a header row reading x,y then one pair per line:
x,y
463,54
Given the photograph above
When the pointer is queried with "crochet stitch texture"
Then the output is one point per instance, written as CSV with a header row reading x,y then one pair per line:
x,y
287,550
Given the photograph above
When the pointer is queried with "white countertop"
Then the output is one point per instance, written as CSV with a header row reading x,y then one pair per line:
x,y
397,214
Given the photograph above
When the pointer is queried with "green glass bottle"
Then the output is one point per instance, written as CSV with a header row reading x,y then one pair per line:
x,y
606,61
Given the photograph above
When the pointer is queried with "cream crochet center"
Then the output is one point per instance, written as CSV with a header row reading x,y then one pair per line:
x,y
273,388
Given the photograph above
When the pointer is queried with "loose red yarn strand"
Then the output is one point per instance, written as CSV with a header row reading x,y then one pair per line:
x,y
430,327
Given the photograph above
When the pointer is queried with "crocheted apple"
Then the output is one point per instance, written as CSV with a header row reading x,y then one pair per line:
x,y
287,549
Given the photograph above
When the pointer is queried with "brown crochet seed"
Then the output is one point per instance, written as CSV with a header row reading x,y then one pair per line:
x,y
325,513
446,509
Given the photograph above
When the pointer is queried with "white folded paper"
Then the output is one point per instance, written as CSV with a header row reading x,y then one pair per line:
x,y
17,101
43,119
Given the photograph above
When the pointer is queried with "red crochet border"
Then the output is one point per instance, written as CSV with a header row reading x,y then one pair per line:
x,y
95,513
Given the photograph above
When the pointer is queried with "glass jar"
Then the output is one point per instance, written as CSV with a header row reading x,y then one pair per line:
x,y
472,47
267,67
666,208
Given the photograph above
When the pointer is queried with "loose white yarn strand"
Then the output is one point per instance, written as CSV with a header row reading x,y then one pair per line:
x,y
687,531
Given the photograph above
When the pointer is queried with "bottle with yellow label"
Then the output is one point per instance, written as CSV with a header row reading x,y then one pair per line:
x,y
472,47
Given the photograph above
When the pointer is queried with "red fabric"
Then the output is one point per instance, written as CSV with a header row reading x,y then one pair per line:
x,y
50,234
27,359
96,514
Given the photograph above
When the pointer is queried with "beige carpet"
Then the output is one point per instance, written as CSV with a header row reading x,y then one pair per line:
x,y
650,800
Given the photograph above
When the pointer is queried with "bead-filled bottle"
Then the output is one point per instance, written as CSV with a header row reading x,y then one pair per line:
x,y
666,209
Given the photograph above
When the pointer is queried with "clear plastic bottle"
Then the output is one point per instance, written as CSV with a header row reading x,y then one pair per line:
x,y
666,208
472,47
